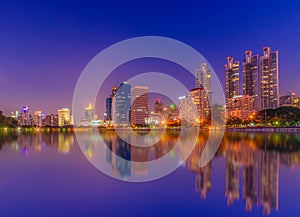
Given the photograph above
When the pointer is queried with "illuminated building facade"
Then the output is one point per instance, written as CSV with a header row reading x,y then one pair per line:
x,y
200,99
50,120
203,79
123,100
289,100
89,113
64,117
186,113
139,110
158,106
25,118
269,79
38,118
241,106
109,104
251,78
232,72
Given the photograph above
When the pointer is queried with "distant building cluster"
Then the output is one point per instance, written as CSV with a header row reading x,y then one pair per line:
x,y
260,85
38,119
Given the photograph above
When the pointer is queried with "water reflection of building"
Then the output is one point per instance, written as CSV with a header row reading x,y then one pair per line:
x,y
260,175
232,183
203,180
250,180
269,180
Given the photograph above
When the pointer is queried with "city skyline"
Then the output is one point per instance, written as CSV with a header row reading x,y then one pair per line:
x,y
59,52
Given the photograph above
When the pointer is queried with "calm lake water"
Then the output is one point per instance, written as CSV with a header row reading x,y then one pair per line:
x,y
47,174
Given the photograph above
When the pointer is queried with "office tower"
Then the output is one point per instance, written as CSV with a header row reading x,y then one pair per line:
x,y
187,116
37,118
50,120
25,118
158,106
269,79
200,99
123,100
203,79
250,78
139,110
269,180
89,113
64,117
289,100
109,104
232,72
113,110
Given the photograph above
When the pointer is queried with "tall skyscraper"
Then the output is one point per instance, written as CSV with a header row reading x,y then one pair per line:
x,y
187,116
25,118
203,79
37,118
232,71
89,113
109,104
114,110
158,106
251,78
64,117
269,79
123,99
200,99
139,110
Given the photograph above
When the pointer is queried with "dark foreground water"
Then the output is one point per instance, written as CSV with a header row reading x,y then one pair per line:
x,y
46,174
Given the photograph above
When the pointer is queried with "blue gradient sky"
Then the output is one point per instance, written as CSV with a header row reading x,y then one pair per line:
x,y
44,46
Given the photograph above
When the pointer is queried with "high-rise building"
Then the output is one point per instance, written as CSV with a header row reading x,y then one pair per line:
x,y
37,118
113,110
158,106
64,117
123,100
185,109
89,113
25,118
203,79
139,110
109,104
251,78
232,71
200,99
50,120
269,79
